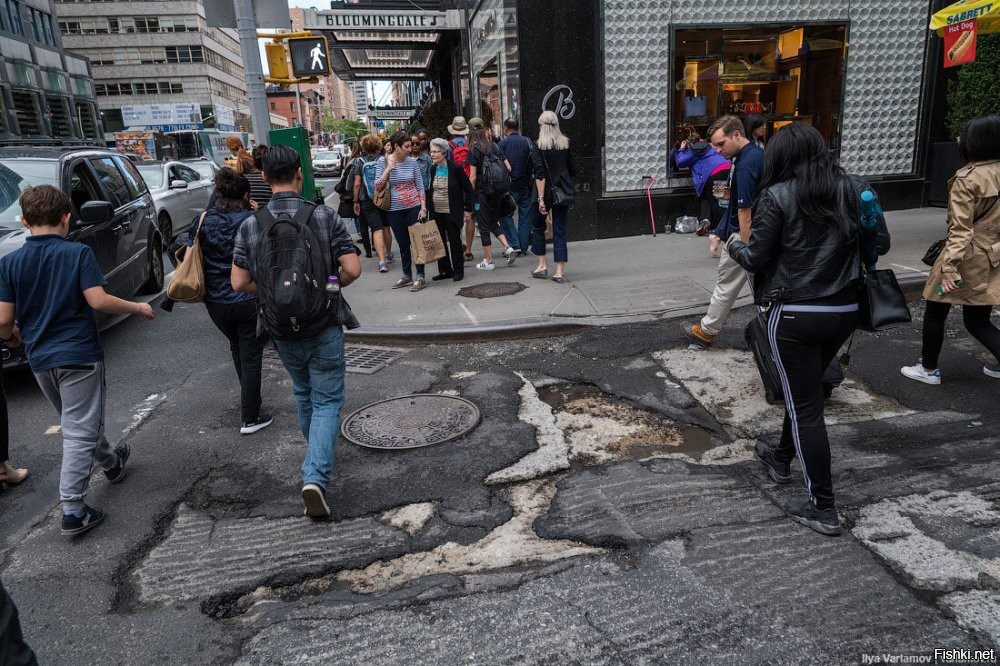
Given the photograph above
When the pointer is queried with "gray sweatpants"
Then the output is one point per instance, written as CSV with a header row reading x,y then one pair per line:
x,y
77,393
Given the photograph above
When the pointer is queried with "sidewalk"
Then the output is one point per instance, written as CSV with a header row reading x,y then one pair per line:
x,y
637,278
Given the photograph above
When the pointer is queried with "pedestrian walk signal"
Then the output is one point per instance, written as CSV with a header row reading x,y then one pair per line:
x,y
310,56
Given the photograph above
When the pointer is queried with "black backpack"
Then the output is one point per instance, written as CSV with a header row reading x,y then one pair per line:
x,y
292,268
345,186
492,175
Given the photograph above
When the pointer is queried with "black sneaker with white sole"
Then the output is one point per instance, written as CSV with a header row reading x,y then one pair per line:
x,y
313,498
74,525
805,513
777,471
259,423
117,473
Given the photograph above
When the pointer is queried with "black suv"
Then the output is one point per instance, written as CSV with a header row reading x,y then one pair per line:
x,y
113,213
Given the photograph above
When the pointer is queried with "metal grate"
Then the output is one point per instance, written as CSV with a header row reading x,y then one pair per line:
x,y
362,359
411,421
492,290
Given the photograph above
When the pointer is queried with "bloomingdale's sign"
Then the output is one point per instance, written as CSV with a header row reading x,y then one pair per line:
x,y
344,19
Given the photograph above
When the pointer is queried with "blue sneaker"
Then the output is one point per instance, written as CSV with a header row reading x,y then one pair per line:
x,y
117,473
390,258
74,525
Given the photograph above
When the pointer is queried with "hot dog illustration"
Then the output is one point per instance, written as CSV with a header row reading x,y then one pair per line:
x,y
960,46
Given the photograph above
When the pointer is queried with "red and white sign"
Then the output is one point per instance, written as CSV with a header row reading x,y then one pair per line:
x,y
959,43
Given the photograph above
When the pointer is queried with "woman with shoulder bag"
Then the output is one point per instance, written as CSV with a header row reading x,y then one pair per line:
x,y
554,173
399,172
967,271
804,254
346,208
233,313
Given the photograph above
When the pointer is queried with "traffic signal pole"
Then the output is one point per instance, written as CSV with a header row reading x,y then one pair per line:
x,y
257,97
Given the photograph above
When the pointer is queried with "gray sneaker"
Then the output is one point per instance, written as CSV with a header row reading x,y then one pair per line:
x,y
316,506
992,371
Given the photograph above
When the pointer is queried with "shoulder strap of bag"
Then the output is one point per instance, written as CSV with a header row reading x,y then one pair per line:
x,y
201,220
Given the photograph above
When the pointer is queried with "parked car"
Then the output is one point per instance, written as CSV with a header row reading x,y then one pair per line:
x,y
207,168
327,164
113,213
179,193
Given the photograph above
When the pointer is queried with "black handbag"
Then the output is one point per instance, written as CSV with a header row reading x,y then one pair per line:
x,y
559,196
933,252
507,205
881,303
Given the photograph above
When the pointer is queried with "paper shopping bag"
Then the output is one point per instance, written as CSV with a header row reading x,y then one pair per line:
x,y
425,243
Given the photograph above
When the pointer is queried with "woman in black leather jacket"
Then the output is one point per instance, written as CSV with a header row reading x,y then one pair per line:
x,y
803,252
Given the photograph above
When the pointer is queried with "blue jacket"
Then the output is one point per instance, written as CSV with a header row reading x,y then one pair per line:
x,y
218,234
703,160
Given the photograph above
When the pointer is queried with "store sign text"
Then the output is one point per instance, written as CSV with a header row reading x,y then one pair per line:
x,y
402,20
488,29
559,100
970,14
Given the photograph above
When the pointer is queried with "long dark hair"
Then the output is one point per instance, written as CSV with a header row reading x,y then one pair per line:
x,y
798,153
980,140
479,138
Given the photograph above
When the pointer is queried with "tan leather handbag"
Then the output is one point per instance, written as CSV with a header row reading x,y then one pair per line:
x,y
188,283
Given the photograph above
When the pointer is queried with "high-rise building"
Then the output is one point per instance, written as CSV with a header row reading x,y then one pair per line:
x,y
46,94
162,53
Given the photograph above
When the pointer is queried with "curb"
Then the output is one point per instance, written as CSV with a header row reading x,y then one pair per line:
x,y
499,331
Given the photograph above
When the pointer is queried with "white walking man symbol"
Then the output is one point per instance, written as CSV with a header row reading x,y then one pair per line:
x,y
317,56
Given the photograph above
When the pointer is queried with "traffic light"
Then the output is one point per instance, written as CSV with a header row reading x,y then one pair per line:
x,y
277,62
310,56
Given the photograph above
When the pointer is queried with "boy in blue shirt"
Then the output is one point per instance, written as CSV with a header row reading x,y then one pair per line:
x,y
52,287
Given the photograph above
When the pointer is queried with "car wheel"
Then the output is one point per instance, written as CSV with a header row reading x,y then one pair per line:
x,y
154,283
166,228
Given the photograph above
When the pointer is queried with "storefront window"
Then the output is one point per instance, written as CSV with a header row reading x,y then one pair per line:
x,y
784,73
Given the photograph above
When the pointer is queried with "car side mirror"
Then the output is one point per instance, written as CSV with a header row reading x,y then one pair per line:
x,y
178,184
95,212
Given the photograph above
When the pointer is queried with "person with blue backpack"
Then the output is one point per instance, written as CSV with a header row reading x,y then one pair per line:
x,y
363,187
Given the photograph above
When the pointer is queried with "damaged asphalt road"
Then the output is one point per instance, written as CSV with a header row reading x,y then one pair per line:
x,y
606,510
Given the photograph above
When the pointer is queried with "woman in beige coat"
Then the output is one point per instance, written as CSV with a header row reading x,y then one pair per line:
x,y
967,272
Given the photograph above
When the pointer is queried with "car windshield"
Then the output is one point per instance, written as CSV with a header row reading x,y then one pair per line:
x,y
17,175
327,155
152,174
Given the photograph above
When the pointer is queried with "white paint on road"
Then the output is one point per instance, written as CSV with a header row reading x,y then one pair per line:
x,y
142,411
910,268
472,317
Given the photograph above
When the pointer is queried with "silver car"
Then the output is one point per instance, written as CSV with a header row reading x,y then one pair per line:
x,y
179,193
327,163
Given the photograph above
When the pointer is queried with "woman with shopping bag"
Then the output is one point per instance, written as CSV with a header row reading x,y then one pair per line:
x,y
451,205
399,172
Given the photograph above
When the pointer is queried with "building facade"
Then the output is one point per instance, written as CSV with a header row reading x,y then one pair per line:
x,y
162,53
304,109
46,94
630,80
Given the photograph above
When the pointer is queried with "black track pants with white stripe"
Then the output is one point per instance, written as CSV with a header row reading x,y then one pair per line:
x,y
804,343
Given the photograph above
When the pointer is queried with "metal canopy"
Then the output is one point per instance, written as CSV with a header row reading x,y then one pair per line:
x,y
370,44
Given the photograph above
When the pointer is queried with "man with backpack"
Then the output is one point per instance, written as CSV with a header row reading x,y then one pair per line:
x,y
459,154
296,257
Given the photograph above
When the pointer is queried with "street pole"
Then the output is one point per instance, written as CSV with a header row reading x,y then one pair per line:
x,y
257,97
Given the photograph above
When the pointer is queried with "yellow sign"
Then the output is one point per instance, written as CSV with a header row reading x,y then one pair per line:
x,y
985,12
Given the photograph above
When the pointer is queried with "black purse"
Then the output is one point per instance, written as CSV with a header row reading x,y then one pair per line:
x,y
933,252
881,303
559,196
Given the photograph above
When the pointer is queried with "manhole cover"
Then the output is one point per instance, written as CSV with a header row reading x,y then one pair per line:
x,y
362,359
492,289
411,421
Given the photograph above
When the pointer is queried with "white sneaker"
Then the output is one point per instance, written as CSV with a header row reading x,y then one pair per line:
x,y
316,506
918,373
485,265
511,255
992,371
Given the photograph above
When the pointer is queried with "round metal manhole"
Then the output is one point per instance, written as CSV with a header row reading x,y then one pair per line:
x,y
411,422
492,289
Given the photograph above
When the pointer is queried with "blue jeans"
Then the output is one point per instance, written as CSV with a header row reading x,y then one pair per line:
x,y
521,237
316,366
399,222
560,216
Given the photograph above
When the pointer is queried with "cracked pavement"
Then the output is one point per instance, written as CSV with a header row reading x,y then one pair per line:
x,y
607,510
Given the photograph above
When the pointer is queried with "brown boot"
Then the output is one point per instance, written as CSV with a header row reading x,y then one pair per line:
x,y
12,475
695,333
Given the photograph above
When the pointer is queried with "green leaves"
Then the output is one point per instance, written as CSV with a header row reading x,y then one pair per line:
x,y
976,92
